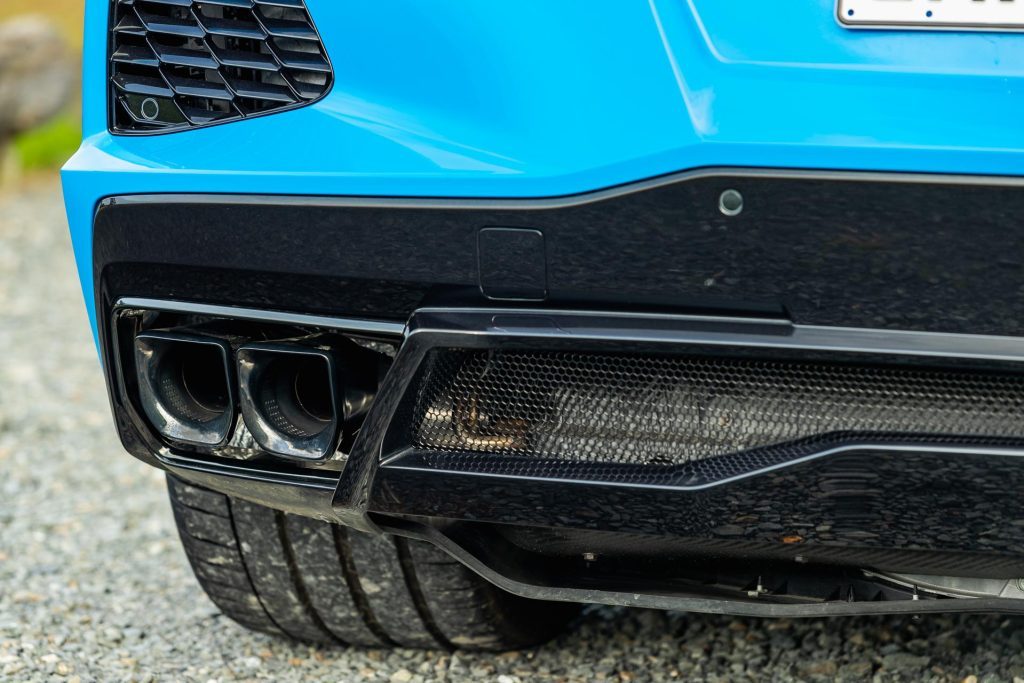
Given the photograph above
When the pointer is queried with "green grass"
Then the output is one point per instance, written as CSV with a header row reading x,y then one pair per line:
x,y
50,145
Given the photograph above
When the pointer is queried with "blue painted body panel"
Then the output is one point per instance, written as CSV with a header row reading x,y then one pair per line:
x,y
529,98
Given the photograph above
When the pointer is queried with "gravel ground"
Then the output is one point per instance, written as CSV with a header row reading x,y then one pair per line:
x,y
94,585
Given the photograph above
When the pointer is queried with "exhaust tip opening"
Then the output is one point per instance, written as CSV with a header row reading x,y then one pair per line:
x,y
288,399
185,386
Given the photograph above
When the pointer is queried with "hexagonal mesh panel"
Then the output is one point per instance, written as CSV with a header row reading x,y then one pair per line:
x,y
181,63
649,410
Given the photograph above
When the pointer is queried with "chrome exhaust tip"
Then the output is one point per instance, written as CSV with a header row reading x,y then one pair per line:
x,y
186,388
290,399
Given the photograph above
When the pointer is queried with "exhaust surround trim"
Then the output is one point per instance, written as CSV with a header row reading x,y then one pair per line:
x,y
166,364
272,399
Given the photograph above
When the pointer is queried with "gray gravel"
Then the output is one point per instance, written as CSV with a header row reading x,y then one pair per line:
x,y
94,586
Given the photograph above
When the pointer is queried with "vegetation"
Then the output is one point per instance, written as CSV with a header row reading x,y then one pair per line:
x,y
50,145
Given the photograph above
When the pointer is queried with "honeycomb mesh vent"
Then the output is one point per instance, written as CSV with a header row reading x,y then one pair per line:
x,y
175,64
648,410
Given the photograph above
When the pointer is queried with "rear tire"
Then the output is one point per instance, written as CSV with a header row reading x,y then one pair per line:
x,y
319,582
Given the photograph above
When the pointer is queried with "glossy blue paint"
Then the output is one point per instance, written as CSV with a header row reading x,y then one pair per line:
x,y
517,98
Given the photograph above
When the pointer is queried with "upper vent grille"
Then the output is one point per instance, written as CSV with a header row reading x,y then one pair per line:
x,y
180,63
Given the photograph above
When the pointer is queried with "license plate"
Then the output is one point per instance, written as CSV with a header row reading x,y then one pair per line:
x,y
971,15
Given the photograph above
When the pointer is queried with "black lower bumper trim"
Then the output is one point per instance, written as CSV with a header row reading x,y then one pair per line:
x,y
890,251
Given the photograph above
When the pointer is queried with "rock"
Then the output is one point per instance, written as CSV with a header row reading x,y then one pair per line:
x,y
902,661
824,668
855,671
37,74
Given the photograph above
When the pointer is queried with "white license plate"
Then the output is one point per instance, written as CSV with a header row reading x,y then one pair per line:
x,y
972,15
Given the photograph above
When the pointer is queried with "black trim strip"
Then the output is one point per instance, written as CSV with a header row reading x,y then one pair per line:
x,y
568,200
644,328
278,317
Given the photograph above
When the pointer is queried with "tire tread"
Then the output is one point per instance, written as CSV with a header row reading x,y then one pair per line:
x,y
318,582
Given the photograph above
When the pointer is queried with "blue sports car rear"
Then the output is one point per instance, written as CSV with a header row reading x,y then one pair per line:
x,y
444,317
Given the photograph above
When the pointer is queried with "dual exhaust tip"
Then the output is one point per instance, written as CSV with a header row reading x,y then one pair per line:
x,y
291,397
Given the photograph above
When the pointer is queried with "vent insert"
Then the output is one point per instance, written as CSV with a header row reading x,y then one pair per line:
x,y
177,64
558,408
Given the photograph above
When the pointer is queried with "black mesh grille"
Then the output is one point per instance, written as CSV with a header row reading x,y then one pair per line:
x,y
679,413
181,63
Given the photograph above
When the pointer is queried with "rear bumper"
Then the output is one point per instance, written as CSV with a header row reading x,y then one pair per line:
x,y
813,268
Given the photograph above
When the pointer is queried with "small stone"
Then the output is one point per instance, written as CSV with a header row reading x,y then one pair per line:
x,y
824,667
906,661
401,676
12,668
855,671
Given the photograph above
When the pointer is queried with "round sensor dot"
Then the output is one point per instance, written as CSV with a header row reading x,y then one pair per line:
x,y
730,203
150,109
